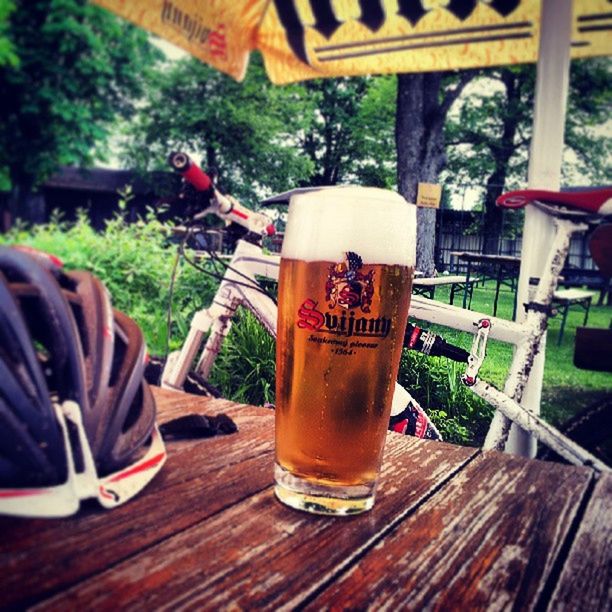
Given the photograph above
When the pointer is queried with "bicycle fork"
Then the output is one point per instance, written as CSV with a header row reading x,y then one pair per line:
x,y
220,328
539,310
218,320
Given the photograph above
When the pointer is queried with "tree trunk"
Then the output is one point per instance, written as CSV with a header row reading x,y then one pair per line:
x,y
493,215
501,152
422,106
420,152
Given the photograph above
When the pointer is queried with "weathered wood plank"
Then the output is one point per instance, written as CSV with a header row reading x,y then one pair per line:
x,y
585,582
199,479
260,553
486,541
172,404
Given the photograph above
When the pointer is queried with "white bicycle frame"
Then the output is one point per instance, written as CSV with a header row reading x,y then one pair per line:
x,y
240,287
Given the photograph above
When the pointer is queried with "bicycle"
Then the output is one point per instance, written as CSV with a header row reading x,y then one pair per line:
x,y
239,286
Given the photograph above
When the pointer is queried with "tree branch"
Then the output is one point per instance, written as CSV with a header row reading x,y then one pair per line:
x,y
522,141
450,95
470,137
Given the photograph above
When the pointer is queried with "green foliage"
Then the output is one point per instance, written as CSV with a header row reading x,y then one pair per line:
x,y
375,158
135,261
352,136
7,50
329,142
588,147
489,134
492,122
264,138
245,368
501,104
435,383
78,69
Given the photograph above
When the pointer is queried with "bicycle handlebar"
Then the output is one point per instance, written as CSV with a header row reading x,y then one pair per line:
x,y
190,171
225,207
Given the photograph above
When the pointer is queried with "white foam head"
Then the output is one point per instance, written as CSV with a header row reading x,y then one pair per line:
x,y
377,224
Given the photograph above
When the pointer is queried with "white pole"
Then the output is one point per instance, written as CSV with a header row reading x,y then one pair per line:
x,y
552,85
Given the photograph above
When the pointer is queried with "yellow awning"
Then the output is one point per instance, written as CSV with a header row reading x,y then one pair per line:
x,y
304,39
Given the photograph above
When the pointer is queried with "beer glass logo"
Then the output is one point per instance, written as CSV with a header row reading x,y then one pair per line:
x,y
352,290
347,287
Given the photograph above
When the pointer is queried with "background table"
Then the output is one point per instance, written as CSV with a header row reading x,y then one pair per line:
x,y
427,286
453,527
505,271
564,299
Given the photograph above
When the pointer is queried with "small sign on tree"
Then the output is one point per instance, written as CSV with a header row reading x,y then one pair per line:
x,y
429,195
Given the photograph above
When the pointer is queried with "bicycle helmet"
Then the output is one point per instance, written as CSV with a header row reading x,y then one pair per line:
x,y
61,340
32,450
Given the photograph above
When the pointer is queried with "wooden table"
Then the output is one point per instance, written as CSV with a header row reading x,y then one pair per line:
x,y
453,528
506,272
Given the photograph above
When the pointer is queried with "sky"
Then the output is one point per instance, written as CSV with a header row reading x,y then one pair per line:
x,y
172,51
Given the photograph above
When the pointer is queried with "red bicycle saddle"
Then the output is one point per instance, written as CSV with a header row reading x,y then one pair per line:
x,y
597,201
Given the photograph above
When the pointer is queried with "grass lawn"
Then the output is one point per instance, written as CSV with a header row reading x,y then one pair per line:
x,y
567,389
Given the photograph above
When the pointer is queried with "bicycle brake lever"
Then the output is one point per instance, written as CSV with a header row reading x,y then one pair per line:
x,y
477,353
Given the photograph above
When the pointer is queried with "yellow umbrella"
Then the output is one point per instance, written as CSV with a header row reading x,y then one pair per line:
x,y
304,39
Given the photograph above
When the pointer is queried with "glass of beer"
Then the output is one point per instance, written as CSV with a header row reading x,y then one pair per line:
x,y
344,291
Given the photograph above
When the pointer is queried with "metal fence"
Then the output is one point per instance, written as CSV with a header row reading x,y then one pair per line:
x,y
452,237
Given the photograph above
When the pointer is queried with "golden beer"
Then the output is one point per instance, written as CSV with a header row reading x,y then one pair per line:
x,y
333,398
343,307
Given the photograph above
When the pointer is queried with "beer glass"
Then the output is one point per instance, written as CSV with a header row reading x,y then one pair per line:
x,y
344,290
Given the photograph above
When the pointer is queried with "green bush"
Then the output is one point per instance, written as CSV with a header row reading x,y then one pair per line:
x,y
435,382
245,368
135,261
